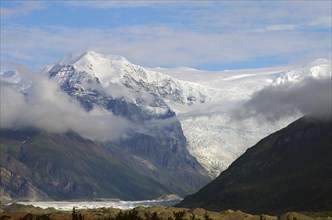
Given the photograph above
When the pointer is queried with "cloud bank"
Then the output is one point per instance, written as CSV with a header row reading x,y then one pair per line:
x,y
46,107
312,97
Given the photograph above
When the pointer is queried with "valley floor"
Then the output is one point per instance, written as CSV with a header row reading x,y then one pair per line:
x,y
17,211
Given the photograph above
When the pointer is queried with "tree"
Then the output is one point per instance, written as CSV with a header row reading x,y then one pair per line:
x,y
75,216
206,216
153,216
178,215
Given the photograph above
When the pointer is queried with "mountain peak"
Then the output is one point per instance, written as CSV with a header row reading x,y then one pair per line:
x,y
319,61
89,57
95,64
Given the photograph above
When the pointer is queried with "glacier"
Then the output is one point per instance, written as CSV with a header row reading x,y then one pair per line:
x,y
119,204
215,137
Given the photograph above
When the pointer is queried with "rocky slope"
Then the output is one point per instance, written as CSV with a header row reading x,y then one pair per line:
x,y
289,170
37,165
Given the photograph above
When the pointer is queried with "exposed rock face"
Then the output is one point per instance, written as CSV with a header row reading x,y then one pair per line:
x,y
15,181
37,165
288,170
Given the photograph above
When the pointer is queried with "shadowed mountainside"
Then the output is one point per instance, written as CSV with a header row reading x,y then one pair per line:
x,y
290,170
38,165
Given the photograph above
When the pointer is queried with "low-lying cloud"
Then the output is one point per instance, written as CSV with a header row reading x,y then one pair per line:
x,y
46,107
312,97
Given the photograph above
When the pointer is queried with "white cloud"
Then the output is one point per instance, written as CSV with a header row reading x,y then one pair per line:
x,y
281,27
312,97
25,8
160,45
48,108
325,21
202,34
134,4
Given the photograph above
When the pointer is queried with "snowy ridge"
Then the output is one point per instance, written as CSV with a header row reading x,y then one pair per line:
x,y
228,85
104,67
13,78
320,68
10,76
113,71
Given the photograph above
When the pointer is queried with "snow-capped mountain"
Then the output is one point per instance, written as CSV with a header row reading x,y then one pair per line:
x,y
143,97
120,78
203,101
110,87
113,82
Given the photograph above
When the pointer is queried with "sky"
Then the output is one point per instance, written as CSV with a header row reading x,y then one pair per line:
x,y
207,35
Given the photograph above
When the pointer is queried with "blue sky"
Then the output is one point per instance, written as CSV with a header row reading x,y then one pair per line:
x,y
210,35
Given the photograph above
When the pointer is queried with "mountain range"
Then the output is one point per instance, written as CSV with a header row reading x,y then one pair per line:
x,y
175,128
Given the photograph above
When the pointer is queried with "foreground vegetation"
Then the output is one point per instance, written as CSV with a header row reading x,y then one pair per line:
x,y
28,212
